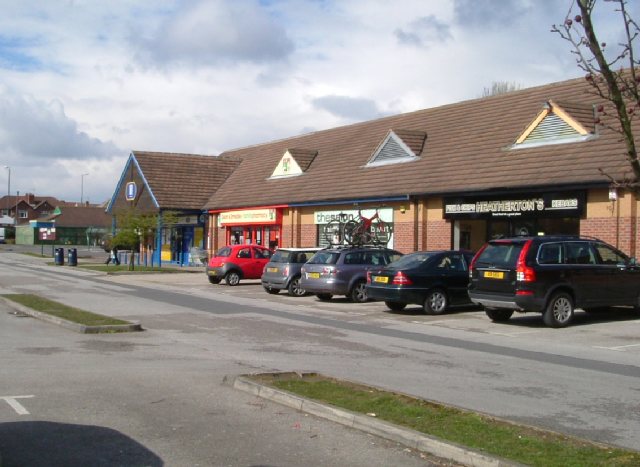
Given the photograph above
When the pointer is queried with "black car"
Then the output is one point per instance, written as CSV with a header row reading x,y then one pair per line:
x,y
433,279
552,275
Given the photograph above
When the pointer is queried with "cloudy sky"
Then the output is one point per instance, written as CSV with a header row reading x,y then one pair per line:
x,y
85,82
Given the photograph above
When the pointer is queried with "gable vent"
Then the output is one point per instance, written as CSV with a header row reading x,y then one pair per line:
x,y
552,127
393,150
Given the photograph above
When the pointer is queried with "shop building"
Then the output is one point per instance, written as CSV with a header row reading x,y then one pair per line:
x,y
157,183
525,162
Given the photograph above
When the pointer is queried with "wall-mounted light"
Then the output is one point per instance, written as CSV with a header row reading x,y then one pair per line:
x,y
403,209
613,194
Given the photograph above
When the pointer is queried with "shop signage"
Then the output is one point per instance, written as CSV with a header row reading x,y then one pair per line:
x,y
45,233
248,216
538,205
131,191
324,217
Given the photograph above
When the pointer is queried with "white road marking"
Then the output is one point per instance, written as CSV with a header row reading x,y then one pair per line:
x,y
619,348
15,405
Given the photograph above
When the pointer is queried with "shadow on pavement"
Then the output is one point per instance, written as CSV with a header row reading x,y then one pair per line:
x,y
62,444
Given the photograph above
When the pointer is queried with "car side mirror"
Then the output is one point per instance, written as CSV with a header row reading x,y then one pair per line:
x,y
633,261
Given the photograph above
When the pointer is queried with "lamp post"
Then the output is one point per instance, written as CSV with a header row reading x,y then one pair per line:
x,y
82,188
8,189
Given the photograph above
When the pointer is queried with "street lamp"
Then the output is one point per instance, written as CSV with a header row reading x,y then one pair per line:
x,y
82,188
8,190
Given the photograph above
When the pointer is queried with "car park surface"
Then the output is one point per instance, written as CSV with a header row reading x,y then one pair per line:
x,y
235,262
552,275
434,279
283,270
343,271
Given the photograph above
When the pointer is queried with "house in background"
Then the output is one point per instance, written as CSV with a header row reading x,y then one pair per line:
x,y
27,206
74,225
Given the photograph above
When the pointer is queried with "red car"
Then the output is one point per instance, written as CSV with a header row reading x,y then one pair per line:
x,y
235,262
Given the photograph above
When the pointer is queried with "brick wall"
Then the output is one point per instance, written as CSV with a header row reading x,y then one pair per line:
x,y
403,236
308,235
438,235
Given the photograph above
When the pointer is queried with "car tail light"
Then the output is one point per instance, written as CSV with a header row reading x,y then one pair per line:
x,y
475,258
368,277
401,279
329,271
285,271
525,273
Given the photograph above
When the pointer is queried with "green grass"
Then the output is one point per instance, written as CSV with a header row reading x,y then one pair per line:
x,y
60,310
518,443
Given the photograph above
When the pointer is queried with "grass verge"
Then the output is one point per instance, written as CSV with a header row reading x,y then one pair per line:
x,y
60,310
523,444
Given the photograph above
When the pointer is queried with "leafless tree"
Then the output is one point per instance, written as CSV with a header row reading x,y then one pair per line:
x,y
612,74
500,87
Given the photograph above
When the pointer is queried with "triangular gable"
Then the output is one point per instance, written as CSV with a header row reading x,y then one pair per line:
x,y
554,124
294,162
398,146
132,164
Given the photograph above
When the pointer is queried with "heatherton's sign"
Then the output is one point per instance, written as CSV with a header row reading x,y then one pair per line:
x,y
543,205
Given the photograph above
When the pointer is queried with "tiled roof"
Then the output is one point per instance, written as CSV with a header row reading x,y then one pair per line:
x,y
183,181
468,149
80,216
413,139
303,157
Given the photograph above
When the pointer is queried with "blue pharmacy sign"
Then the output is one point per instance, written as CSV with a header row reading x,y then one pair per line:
x,y
131,191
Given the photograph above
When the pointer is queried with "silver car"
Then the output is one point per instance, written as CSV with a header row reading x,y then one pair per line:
x,y
283,270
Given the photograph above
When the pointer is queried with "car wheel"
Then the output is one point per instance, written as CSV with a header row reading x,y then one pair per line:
x,y
324,296
271,291
395,306
294,288
232,278
359,292
436,302
214,280
559,311
497,315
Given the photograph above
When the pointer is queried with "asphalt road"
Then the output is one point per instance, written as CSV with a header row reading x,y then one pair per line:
x,y
159,394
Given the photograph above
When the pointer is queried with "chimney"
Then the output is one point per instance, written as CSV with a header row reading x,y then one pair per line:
x,y
31,199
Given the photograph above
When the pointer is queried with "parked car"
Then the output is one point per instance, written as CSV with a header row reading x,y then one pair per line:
x,y
552,275
283,270
434,279
235,262
343,271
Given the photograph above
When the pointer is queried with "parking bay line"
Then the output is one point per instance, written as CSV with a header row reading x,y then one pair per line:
x,y
15,405
618,348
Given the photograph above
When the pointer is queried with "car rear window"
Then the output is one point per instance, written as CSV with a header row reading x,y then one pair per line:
x,y
500,254
411,260
281,256
324,257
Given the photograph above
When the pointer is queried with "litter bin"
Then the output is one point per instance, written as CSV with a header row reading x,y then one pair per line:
x,y
59,257
72,258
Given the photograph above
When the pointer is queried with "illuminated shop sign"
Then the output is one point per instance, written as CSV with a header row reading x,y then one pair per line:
x,y
248,216
539,205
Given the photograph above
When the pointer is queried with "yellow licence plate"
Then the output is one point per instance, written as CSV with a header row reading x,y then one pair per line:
x,y
381,279
313,275
494,274
272,269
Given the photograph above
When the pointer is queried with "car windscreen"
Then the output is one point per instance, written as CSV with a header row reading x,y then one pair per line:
x,y
224,251
412,260
324,257
500,254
